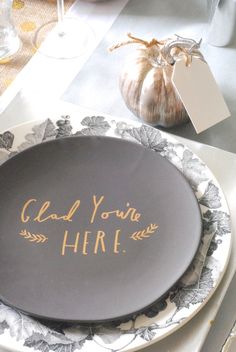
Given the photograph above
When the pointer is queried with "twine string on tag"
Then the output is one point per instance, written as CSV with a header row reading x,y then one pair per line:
x,y
173,48
177,52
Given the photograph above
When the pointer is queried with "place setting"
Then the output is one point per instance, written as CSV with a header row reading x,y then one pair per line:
x,y
113,234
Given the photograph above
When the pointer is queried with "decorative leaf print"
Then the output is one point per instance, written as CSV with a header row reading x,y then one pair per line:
x,y
122,128
36,137
108,334
211,198
36,335
194,294
176,148
193,169
212,248
3,327
78,333
219,219
97,125
64,127
50,131
194,272
6,140
57,326
156,308
149,137
20,326
146,333
173,152
206,248
209,227
52,342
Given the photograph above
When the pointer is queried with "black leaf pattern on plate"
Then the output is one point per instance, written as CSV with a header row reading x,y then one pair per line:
x,y
20,325
38,135
211,197
64,127
156,308
50,131
79,333
3,326
56,326
108,334
219,219
173,152
213,247
146,333
6,140
194,170
184,297
149,137
96,125
193,274
122,129
52,342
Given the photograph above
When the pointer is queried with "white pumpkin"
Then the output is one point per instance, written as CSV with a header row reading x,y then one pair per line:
x,y
146,85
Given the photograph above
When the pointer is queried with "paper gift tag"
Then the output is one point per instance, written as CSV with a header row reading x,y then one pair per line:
x,y
199,93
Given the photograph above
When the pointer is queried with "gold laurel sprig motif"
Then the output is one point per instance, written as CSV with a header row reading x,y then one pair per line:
x,y
140,235
37,238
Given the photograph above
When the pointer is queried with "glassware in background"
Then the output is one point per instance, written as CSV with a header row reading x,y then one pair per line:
x,y
9,40
221,21
70,38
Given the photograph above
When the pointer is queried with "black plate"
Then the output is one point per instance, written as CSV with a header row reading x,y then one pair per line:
x,y
93,228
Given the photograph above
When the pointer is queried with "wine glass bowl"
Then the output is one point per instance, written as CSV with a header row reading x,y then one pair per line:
x,y
10,42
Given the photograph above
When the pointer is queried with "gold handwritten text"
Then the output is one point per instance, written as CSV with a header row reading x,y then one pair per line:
x,y
96,205
44,212
96,244
25,218
74,245
129,213
43,215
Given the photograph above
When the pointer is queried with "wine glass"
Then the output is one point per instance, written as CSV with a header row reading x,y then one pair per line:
x,y
9,40
70,37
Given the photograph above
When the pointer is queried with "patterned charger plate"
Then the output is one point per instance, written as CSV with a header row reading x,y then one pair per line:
x,y
18,331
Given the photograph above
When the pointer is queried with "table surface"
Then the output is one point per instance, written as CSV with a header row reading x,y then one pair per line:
x,y
160,19
92,81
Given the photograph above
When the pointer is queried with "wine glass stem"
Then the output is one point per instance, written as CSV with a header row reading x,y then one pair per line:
x,y
60,10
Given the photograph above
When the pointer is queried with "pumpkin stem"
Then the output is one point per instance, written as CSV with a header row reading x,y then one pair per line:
x,y
135,40
169,49
149,44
